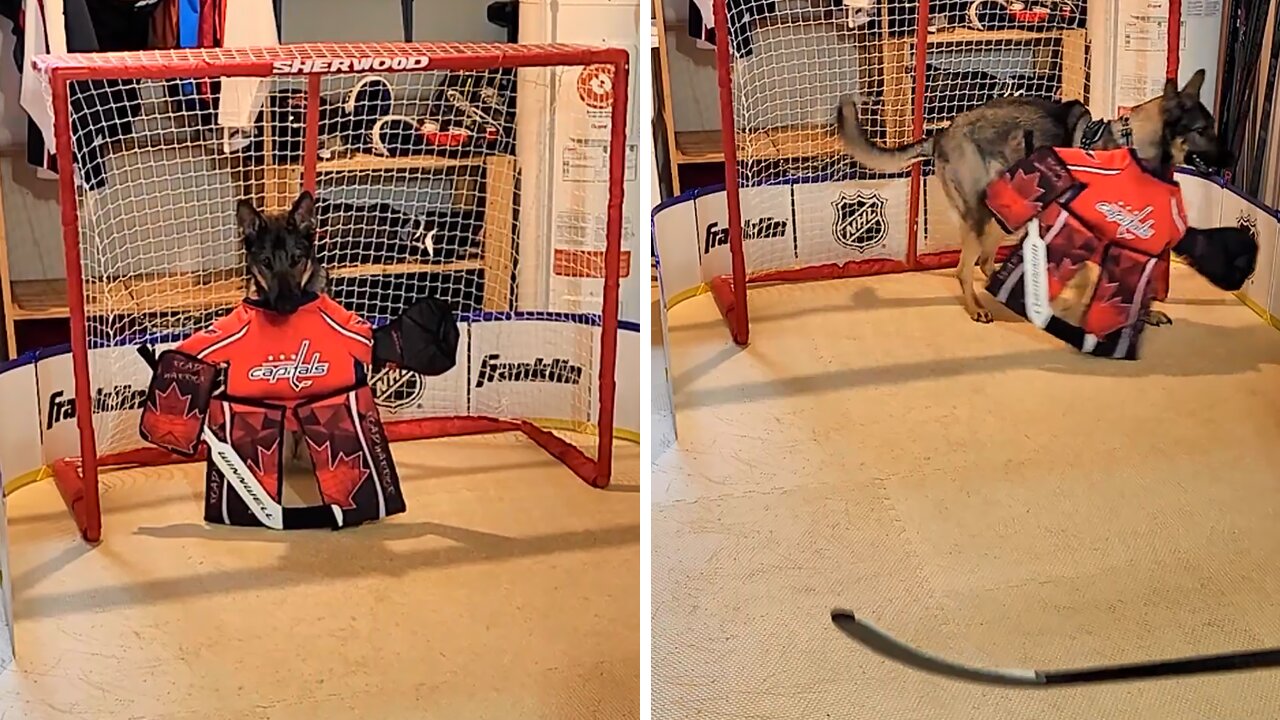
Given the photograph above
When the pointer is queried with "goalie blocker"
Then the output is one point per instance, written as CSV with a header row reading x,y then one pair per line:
x,y
187,404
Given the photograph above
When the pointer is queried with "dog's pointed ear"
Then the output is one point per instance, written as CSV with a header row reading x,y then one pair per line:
x,y
303,213
1192,88
1170,88
248,219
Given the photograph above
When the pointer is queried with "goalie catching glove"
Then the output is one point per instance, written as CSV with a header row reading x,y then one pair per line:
x,y
1224,256
423,340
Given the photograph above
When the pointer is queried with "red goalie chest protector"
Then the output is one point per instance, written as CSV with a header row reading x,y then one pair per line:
x,y
301,373
1108,227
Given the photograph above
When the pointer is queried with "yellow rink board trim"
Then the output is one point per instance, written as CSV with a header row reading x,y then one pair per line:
x,y
43,473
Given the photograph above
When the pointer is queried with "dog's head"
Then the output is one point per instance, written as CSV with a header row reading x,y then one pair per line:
x,y
280,254
1189,129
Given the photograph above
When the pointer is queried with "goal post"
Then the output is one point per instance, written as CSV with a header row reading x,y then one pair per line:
x,y
417,159
796,206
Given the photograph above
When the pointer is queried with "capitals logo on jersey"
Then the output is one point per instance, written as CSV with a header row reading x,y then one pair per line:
x,y
298,368
1130,224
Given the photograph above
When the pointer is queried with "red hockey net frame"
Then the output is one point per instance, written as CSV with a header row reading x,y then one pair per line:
x,y
77,478
730,291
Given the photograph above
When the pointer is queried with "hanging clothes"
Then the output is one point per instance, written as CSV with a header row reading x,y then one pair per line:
x,y
742,16
101,110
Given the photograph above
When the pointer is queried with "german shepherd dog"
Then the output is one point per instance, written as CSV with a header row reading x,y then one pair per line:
x,y
979,144
279,254
283,275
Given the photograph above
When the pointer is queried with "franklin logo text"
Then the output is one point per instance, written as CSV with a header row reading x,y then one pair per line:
x,y
765,228
556,370
105,400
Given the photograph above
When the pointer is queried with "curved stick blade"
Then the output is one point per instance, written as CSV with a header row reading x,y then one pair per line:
x,y
884,644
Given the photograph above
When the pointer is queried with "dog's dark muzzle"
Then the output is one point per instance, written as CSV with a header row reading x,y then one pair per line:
x,y
1211,163
284,296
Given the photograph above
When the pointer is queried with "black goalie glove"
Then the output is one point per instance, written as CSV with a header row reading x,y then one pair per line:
x,y
423,340
1225,256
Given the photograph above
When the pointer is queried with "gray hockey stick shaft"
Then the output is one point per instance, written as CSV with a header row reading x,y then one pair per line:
x,y
888,646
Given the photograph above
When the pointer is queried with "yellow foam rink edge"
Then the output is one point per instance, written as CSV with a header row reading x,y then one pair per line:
x,y
1260,311
42,473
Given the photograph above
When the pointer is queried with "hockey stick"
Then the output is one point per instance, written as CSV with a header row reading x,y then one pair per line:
x,y
885,644
263,506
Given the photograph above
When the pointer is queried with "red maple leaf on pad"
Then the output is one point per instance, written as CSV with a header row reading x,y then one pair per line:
x,y
1026,184
1107,312
170,422
1015,198
339,476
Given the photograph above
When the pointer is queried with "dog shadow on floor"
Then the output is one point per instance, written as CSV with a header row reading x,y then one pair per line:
x,y
1188,348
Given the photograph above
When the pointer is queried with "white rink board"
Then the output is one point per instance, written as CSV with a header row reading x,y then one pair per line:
x,y
39,425
680,235
521,369
20,450
1239,211
675,244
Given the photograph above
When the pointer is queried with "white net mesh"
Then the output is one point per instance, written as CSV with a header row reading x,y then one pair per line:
x,y
428,183
809,204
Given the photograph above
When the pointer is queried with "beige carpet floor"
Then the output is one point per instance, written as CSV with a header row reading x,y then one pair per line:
x,y
875,449
508,590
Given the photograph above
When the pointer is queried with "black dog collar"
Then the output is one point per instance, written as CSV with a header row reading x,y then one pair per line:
x,y
1096,130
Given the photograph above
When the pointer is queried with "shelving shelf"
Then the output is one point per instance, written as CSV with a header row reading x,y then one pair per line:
x,y
178,292
275,186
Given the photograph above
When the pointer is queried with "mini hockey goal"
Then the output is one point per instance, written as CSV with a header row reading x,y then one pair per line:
x,y
435,174
798,208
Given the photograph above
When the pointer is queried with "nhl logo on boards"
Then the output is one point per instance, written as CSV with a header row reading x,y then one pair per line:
x,y
1247,222
397,389
860,222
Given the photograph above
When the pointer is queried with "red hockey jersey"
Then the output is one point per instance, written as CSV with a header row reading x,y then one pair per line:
x,y
284,359
1107,227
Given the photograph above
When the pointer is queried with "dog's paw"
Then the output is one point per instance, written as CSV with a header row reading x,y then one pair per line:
x,y
981,315
1156,318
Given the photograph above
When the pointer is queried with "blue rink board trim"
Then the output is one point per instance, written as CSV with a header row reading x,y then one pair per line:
x,y
585,319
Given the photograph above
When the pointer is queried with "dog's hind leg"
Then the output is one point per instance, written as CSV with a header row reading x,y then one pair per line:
x,y
987,260
970,251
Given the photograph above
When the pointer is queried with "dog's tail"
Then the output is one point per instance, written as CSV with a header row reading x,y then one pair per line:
x,y
869,154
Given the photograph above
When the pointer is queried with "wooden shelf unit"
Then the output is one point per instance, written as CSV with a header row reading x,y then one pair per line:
x,y
276,186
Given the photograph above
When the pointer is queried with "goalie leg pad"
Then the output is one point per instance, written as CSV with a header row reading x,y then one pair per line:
x,y
255,434
178,402
351,455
